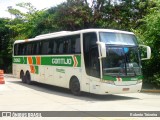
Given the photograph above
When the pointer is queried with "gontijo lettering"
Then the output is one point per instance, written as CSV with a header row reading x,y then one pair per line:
x,y
62,61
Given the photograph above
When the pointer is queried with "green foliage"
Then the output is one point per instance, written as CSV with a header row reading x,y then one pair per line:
x,y
5,58
72,15
149,33
156,79
24,24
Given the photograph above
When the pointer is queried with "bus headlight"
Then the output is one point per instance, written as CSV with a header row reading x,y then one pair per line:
x,y
139,81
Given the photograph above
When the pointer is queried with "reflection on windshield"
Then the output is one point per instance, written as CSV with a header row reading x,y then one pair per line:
x,y
121,61
117,38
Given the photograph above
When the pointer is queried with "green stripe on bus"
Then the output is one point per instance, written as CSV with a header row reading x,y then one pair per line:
x,y
129,78
79,60
57,61
106,77
68,61
34,60
37,69
20,60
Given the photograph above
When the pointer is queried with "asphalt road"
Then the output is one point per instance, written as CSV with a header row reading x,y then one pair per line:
x,y
17,96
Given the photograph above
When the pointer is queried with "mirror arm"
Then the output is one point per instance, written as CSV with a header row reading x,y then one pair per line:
x,y
148,52
102,49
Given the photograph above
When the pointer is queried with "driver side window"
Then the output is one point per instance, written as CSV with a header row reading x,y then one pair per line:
x,y
90,49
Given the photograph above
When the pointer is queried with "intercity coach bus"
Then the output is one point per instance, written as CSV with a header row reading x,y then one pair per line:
x,y
99,61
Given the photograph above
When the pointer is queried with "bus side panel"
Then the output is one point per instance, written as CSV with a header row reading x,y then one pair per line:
x,y
64,74
17,69
49,75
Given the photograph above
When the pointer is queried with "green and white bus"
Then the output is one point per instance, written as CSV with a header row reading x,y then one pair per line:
x,y
99,61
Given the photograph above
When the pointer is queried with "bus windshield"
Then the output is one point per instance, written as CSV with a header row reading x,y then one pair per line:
x,y
122,54
121,61
117,38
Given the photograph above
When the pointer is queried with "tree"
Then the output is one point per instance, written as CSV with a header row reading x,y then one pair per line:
x,y
5,60
149,33
124,14
73,15
24,24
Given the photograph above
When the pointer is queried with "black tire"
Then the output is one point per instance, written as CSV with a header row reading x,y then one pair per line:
x,y
75,86
28,78
22,76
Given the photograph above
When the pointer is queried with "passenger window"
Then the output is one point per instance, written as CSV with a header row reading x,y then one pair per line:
x,y
66,48
16,49
60,50
75,45
58,46
63,45
45,46
51,47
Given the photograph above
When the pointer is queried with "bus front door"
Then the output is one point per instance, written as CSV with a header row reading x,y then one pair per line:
x,y
94,70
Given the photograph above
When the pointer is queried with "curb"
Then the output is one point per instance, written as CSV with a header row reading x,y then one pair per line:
x,y
150,90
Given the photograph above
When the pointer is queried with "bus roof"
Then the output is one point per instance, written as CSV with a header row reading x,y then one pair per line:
x,y
67,33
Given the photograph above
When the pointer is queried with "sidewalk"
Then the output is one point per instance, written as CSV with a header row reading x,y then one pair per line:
x,y
150,88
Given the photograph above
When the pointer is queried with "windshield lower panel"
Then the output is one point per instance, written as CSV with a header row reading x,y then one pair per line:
x,y
121,61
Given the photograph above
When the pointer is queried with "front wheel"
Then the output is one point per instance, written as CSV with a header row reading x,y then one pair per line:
x,y
75,86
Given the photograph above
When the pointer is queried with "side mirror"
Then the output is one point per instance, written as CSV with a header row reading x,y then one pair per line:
x,y
102,49
145,52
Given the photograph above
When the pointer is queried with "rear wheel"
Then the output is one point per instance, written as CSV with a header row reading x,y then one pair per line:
x,y
75,86
28,78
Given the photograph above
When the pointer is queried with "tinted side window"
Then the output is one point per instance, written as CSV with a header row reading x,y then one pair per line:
x,y
44,47
22,49
58,46
75,44
51,47
89,42
29,49
16,49
67,45
72,45
36,48
94,67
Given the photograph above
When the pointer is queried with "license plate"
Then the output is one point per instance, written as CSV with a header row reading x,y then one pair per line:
x,y
125,89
